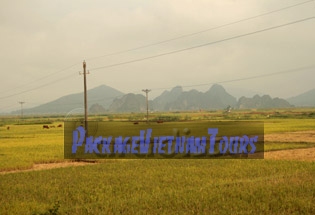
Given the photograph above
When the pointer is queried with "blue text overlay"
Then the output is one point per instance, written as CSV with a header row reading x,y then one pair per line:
x,y
170,140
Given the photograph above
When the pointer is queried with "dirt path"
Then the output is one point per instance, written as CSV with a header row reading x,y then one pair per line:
x,y
307,154
37,167
300,136
292,154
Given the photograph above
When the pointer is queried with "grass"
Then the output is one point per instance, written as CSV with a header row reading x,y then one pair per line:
x,y
288,125
24,145
165,187
153,186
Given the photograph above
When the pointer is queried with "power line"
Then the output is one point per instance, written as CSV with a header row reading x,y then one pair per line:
x,y
9,106
41,78
249,78
168,53
202,45
298,69
202,31
73,102
165,41
157,43
38,87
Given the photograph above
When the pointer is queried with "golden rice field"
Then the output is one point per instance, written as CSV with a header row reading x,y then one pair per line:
x,y
36,179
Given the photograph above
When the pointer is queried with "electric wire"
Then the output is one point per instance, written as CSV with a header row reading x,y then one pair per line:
x,y
165,41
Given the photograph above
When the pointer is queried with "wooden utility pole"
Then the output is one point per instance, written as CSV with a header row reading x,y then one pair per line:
x,y
21,103
146,92
85,99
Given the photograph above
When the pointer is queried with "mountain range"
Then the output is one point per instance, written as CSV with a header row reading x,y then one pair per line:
x,y
264,101
106,99
177,99
102,95
306,99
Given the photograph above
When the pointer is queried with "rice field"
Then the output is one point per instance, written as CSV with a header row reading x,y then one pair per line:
x,y
212,186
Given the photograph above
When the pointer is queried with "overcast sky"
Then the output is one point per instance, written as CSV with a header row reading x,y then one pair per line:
x,y
43,44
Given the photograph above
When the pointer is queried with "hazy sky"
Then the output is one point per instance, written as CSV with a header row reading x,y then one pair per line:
x,y
43,44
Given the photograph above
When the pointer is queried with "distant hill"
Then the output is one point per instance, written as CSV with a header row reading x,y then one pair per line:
x,y
129,103
177,99
97,109
262,102
102,95
167,97
218,98
239,92
103,99
306,99
190,100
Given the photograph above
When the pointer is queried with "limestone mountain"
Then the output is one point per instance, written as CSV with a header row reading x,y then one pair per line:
x,y
129,103
177,99
97,109
167,97
217,98
262,102
103,99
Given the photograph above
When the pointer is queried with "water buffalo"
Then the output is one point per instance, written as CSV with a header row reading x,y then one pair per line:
x,y
45,126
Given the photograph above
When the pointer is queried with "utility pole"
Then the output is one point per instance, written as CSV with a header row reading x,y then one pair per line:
x,y
85,99
146,92
21,103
